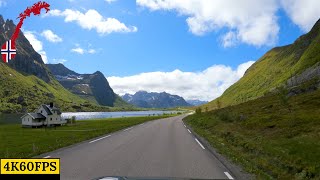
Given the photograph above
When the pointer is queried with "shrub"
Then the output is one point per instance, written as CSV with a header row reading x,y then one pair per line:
x,y
198,110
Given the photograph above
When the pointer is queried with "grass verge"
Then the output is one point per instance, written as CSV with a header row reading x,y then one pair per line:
x,y
268,138
18,142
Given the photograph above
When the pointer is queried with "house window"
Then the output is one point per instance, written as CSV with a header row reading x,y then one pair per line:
x,y
41,111
50,119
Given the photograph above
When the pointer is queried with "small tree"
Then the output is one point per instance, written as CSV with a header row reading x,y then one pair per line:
x,y
198,110
73,120
283,97
218,104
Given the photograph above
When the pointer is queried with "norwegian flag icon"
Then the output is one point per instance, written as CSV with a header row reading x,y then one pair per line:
x,y
8,51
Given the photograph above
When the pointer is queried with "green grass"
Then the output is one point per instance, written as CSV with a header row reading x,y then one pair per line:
x,y
18,142
265,137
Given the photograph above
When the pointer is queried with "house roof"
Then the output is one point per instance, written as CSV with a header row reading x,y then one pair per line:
x,y
37,116
45,107
57,109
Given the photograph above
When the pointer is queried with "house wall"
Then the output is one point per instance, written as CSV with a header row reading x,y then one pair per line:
x,y
55,118
27,120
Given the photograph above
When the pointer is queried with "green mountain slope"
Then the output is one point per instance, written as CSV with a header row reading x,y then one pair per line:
x,y
274,69
268,138
20,93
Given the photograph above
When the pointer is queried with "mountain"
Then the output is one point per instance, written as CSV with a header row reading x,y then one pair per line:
x,y
290,66
196,102
26,82
93,87
155,100
27,60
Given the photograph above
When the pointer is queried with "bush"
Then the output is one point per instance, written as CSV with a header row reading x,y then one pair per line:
x,y
226,116
198,110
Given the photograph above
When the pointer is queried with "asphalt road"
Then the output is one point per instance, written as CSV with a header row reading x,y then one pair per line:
x,y
161,148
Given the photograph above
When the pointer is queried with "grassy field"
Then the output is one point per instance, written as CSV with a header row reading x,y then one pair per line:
x,y
267,137
17,142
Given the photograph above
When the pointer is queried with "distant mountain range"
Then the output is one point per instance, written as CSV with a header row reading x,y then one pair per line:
x,y
155,100
93,87
196,102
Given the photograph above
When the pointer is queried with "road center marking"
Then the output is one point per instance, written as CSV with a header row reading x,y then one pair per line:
x,y
47,157
99,139
199,143
128,129
228,175
189,131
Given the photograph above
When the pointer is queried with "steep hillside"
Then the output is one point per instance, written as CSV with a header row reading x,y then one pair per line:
x,y
93,87
27,60
274,137
155,100
274,69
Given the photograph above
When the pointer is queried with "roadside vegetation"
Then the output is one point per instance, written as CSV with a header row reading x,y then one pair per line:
x,y
275,136
18,142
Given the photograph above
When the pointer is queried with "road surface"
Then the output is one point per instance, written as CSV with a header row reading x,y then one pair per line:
x,y
161,148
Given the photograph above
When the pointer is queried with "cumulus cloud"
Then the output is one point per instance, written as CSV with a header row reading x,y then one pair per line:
x,y
206,85
36,44
303,13
92,19
50,36
248,21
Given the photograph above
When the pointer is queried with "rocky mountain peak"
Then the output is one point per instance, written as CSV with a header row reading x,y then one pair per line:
x,y
27,60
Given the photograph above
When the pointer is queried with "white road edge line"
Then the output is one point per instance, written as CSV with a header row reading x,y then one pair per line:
x,y
189,131
185,126
99,139
128,129
228,175
199,143
47,157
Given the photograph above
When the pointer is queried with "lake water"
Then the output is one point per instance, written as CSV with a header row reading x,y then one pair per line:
x,y
15,118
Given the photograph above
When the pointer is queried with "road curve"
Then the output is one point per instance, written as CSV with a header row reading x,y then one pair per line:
x,y
161,148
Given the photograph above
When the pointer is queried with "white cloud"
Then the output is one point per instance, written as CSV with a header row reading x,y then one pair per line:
x,y
36,44
50,36
205,85
248,21
303,13
93,20
78,50
110,1
92,51
56,61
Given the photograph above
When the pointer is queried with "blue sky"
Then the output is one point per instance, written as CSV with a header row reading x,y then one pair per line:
x,y
171,38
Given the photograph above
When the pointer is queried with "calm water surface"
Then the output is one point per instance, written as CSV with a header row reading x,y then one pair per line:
x,y
15,118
